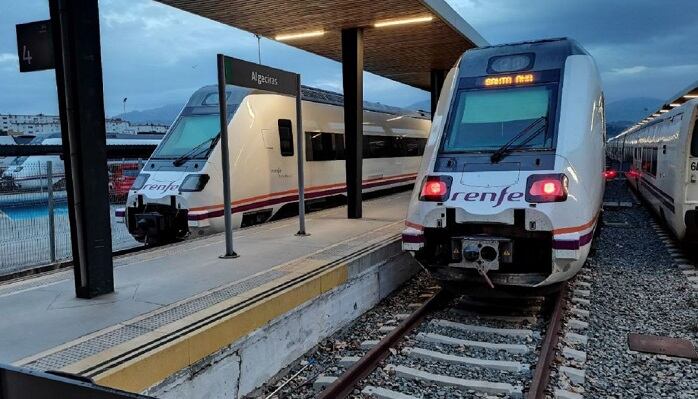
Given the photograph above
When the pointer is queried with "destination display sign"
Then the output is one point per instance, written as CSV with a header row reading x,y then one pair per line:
x,y
255,76
508,80
35,46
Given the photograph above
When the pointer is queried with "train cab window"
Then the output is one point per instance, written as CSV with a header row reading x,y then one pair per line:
x,y
188,133
285,138
484,120
694,139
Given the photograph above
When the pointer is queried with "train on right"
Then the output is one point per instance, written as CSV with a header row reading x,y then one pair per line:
x,y
660,158
510,188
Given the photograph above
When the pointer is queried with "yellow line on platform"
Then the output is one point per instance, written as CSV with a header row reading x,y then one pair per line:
x,y
154,366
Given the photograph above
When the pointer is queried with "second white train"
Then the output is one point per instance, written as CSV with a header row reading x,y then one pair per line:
x,y
662,156
179,191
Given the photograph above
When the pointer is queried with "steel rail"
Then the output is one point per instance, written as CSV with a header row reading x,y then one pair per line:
x,y
343,386
547,351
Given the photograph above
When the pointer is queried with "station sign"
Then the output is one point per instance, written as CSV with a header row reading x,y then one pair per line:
x,y
35,46
237,72
255,76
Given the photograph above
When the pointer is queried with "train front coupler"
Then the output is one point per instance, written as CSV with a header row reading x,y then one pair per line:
x,y
156,223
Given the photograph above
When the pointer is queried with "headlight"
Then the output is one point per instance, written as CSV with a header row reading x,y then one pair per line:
x,y
547,188
194,183
140,181
435,188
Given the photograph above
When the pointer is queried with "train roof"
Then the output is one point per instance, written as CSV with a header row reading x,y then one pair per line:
x,y
125,136
658,119
547,54
7,140
683,96
112,139
321,96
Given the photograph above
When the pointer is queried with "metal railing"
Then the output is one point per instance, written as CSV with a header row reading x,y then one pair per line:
x,y
19,383
34,223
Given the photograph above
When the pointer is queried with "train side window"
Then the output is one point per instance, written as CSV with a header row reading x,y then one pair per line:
x,y
376,147
285,138
321,146
653,161
694,139
649,160
324,146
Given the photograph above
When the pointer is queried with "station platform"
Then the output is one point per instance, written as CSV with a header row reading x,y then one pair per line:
x,y
177,304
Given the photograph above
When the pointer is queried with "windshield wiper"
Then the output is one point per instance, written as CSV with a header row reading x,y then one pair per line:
x,y
189,154
509,145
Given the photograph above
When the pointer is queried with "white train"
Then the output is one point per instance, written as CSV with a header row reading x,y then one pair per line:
x,y
29,173
511,184
6,161
179,192
662,156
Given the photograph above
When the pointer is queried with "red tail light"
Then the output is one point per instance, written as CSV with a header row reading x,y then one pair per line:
x,y
435,188
610,174
633,174
546,188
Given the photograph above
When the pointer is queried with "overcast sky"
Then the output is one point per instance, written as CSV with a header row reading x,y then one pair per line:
x,y
156,55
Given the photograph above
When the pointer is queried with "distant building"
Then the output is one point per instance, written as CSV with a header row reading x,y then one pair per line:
x,y
46,124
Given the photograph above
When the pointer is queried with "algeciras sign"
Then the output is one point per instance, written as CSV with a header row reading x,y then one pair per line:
x,y
255,76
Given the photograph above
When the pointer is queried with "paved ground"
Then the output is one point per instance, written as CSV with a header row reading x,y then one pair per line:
x,y
41,313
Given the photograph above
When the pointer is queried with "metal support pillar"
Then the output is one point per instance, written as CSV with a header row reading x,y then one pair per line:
x,y
75,26
352,74
437,82
225,160
300,158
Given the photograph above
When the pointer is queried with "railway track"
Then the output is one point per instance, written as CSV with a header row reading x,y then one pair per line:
x,y
495,347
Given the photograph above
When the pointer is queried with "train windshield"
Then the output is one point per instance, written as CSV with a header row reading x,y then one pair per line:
x,y
189,132
19,160
485,120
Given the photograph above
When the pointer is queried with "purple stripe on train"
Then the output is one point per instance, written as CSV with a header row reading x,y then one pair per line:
x,y
574,244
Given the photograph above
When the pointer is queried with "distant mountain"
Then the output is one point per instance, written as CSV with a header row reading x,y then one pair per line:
x,y
422,105
615,128
631,109
164,115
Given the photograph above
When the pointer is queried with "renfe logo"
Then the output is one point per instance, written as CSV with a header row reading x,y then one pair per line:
x,y
497,198
161,188
264,79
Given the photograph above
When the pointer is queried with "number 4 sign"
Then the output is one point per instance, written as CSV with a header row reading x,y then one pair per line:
x,y
26,55
35,46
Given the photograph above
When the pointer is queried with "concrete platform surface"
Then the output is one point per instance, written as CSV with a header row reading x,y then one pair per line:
x,y
41,313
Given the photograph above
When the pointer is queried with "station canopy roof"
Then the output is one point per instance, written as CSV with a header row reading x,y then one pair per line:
x,y
403,39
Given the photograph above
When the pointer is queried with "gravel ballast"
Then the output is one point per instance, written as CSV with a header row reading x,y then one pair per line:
x,y
636,288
